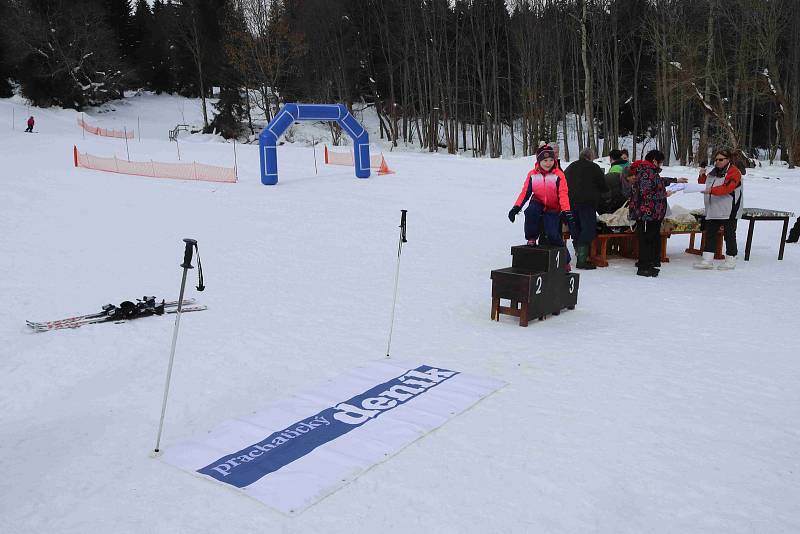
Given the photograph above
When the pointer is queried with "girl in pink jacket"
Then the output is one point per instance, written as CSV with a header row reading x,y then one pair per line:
x,y
546,186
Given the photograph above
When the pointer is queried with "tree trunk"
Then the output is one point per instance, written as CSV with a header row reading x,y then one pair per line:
x,y
588,101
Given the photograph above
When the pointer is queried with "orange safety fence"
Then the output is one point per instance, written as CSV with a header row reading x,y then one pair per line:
x,y
105,132
154,169
376,161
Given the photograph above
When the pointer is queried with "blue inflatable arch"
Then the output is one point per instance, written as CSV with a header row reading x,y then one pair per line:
x,y
290,113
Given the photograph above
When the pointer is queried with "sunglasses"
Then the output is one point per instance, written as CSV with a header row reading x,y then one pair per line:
x,y
721,159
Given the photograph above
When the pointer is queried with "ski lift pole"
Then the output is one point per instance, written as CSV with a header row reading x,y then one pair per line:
x,y
191,245
397,275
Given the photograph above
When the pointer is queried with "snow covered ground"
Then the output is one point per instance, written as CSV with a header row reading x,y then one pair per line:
x,y
657,405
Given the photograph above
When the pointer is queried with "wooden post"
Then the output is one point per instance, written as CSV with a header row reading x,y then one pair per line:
x,y
75,154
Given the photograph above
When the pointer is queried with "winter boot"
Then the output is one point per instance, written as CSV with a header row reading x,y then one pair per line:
x,y
582,253
647,271
707,262
728,264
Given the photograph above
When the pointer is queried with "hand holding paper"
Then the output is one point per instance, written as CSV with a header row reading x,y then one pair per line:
x,y
686,188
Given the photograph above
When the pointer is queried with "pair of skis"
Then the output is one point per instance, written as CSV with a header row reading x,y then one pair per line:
x,y
114,314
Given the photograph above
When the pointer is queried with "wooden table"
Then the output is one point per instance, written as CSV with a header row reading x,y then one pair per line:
x,y
756,214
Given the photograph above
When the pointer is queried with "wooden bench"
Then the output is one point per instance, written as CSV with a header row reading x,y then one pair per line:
x,y
718,255
626,244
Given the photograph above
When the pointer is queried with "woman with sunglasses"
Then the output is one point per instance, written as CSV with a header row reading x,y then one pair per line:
x,y
723,202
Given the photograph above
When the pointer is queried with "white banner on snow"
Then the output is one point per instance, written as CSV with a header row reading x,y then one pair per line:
x,y
300,450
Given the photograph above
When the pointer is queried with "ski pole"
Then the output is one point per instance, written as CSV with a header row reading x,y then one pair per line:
x,y
397,274
191,245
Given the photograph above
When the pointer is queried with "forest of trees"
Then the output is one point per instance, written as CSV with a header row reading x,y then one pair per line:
x,y
451,75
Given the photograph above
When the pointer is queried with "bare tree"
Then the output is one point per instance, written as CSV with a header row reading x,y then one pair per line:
x,y
769,22
189,31
588,100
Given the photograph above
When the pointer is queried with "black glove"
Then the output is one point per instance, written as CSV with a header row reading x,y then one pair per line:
x,y
513,213
570,218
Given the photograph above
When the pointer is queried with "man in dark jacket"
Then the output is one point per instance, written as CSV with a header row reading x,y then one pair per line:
x,y
586,182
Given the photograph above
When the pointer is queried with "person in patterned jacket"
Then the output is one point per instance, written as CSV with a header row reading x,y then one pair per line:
x,y
546,187
648,206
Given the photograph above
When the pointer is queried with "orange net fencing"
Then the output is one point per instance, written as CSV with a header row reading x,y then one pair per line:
x,y
154,169
105,132
376,161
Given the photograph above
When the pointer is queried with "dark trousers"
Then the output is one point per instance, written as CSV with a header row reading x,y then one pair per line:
x,y
712,227
649,233
585,227
550,222
29,129
794,233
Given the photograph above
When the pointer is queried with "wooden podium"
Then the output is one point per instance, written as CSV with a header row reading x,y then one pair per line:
x,y
537,284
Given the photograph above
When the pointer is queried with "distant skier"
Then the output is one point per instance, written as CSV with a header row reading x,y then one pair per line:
x,y
31,122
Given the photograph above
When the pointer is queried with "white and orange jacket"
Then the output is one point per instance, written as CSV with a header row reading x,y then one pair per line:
x,y
547,188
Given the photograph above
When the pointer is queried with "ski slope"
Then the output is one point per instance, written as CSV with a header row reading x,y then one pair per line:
x,y
657,405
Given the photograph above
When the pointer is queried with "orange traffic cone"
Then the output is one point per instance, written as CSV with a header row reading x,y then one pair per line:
x,y
384,168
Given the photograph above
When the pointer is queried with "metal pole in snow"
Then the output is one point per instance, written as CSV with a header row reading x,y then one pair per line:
x,y
13,119
397,274
187,264
314,147
139,127
126,143
235,162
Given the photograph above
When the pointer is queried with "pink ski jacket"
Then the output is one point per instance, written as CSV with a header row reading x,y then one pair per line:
x,y
547,188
